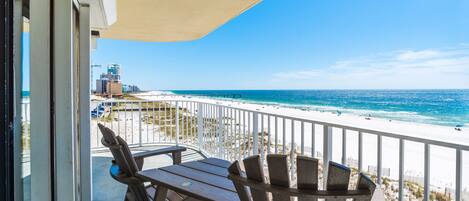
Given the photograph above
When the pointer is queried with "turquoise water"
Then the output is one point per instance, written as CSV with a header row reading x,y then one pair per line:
x,y
440,107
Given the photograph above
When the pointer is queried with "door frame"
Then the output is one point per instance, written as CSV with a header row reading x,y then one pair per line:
x,y
6,100
60,155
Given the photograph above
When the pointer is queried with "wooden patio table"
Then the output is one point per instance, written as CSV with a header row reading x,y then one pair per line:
x,y
205,179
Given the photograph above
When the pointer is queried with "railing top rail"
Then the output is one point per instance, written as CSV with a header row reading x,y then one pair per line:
x,y
456,142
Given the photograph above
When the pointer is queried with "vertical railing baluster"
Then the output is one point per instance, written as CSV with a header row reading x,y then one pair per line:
x,y
426,178
458,174
97,128
220,131
186,115
232,135
164,123
302,138
125,122
313,140
118,119
182,126
380,155
401,169
200,125
238,137
284,137
249,134
292,149
276,135
344,146
327,151
148,118
140,123
192,122
268,134
360,151
262,137
244,134
159,121
132,122
255,133
177,123
153,121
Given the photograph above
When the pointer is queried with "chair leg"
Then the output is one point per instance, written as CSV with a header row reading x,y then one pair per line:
x,y
139,162
176,158
161,193
127,195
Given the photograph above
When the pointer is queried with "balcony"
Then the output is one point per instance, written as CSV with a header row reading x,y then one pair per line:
x,y
230,131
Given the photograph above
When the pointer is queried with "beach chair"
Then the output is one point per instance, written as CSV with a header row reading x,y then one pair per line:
x,y
252,185
125,166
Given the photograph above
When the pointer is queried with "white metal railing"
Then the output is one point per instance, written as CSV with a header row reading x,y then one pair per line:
x,y
234,133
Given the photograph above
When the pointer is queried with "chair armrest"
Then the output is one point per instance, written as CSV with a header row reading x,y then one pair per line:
x,y
117,174
174,150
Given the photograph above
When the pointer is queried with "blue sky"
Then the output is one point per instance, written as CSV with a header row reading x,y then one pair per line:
x,y
306,44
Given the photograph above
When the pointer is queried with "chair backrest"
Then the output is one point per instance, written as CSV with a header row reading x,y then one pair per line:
x,y
124,160
337,180
255,172
120,151
338,177
307,175
365,183
279,174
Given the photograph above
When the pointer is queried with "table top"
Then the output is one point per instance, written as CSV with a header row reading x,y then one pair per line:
x,y
204,179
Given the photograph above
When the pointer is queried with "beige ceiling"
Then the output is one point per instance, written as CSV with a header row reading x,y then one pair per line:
x,y
172,20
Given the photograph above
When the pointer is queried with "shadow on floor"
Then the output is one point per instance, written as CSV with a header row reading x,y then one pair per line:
x,y
104,186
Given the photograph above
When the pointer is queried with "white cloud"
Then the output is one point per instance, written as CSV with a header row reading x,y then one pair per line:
x,y
436,68
414,55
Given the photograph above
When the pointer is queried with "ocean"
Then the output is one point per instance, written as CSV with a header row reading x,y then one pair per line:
x,y
438,107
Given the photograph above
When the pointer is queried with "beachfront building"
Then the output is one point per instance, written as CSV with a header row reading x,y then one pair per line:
x,y
52,150
130,88
110,84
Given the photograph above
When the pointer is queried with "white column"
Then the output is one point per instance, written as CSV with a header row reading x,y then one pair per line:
x,y
85,129
40,100
64,103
